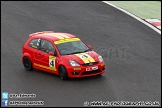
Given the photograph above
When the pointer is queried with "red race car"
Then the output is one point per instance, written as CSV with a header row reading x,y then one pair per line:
x,y
62,54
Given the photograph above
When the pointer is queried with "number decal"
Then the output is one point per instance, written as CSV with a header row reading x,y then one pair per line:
x,y
84,56
52,65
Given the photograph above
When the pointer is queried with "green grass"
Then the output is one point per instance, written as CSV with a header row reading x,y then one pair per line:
x,y
142,9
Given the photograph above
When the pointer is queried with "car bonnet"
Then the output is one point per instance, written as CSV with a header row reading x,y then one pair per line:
x,y
83,58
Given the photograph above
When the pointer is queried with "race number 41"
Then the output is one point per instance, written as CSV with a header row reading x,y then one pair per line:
x,y
52,63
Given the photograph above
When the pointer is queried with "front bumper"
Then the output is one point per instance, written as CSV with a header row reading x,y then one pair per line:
x,y
84,71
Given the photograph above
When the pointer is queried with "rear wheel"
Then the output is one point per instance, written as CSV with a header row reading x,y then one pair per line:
x,y
27,64
63,73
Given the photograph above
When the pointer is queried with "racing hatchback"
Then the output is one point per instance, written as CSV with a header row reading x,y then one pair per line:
x,y
62,54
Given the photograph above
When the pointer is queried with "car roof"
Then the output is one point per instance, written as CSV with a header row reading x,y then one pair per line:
x,y
54,36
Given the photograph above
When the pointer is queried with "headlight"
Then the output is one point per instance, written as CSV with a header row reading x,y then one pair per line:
x,y
74,63
100,58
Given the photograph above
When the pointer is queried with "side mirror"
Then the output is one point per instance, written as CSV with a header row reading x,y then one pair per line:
x,y
51,53
90,47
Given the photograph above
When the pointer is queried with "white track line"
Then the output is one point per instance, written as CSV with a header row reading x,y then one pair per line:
x,y
153,20
139,19
159,27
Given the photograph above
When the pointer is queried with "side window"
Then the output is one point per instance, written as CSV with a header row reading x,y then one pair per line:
x,y
47,46
34,43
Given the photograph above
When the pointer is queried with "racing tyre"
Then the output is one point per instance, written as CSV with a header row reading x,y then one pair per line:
x,y
27,64
63,73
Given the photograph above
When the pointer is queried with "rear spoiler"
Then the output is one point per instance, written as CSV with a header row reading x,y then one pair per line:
x,y
42,32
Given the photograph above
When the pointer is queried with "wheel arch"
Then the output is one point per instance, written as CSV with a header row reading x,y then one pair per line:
x,y
60,66
27,55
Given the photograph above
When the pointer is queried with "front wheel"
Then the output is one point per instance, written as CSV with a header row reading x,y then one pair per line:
x,y
63,73
27,64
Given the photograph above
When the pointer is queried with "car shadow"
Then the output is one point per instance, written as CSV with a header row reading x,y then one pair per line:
x,y
85,78
69,79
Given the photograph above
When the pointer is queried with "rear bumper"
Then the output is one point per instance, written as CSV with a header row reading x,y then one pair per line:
x,y
85,71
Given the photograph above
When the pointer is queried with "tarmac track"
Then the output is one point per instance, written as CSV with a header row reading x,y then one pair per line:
x,y
131,50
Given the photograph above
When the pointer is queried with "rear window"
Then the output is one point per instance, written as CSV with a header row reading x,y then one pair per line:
x,y
33,43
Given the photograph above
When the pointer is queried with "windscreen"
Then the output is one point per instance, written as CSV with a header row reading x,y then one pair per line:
x,y
72,47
